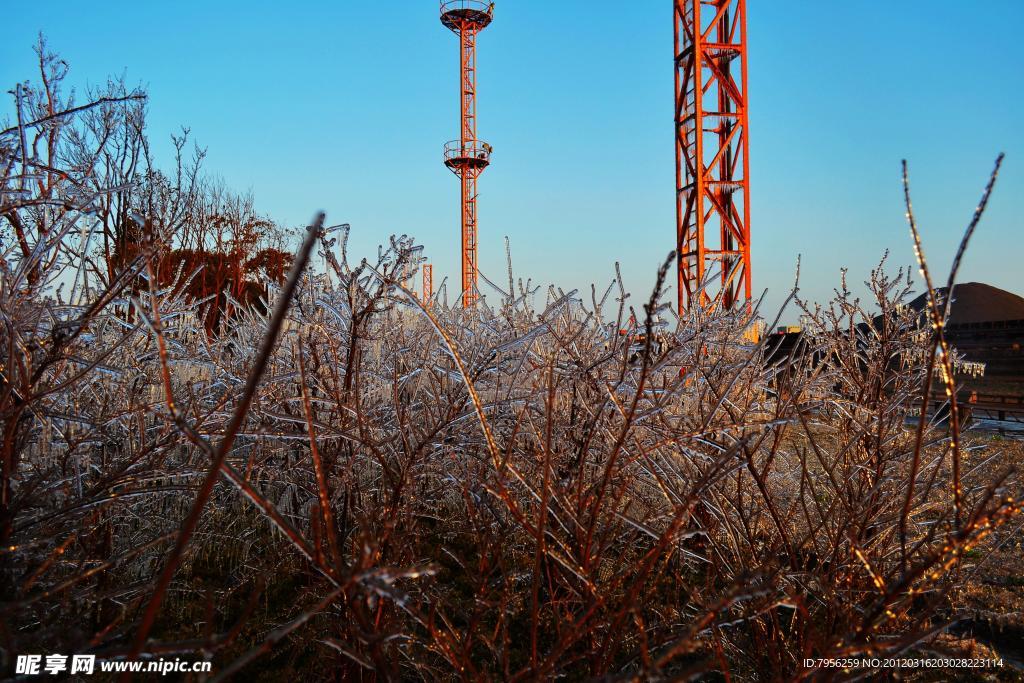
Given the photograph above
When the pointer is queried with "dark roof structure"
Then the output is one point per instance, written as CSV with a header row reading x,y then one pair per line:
x,y
975,302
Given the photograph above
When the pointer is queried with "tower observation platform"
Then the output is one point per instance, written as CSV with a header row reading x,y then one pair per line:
x,y
471,154
459,15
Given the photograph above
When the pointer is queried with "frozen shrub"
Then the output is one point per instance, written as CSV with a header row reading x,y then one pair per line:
x,y
346,483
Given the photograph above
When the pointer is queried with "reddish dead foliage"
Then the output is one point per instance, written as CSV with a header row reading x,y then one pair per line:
x,y
212,276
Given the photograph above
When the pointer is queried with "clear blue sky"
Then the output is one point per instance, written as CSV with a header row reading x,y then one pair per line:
x,y
345,106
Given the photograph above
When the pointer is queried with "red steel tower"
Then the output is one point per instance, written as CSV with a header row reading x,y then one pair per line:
x,y
467,157
428,282
712,152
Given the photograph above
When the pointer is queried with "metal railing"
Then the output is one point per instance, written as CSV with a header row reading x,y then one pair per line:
x,y
474,5
471,149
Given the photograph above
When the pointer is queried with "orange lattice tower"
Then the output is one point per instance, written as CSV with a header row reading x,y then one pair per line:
x,y
467,157
712,152
428,282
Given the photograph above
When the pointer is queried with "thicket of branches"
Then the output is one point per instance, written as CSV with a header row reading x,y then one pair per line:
x,y
350,484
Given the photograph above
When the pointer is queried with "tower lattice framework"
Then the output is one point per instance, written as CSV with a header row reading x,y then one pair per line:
x,y
428,283
712,153
468,156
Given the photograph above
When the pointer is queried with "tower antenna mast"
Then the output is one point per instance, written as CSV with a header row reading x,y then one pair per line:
x,y
467,157
712,153
428,283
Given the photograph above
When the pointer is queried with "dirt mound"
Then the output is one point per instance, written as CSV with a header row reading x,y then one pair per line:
x,y
976,302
